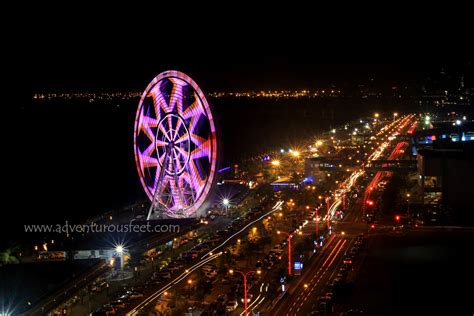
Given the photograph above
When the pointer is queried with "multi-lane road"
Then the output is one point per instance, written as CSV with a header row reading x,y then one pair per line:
x,y
302,294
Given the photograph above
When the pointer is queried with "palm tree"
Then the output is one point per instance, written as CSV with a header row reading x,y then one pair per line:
x,y
8,256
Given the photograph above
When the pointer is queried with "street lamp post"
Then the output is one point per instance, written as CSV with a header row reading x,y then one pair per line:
x,y
289,249
226,203
328,199
244,274
408,206
119,249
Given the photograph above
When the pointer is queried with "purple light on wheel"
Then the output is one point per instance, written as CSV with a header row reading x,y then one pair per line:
x,y
174,125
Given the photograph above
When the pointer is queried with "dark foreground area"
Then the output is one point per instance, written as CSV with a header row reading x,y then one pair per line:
x,y
425,272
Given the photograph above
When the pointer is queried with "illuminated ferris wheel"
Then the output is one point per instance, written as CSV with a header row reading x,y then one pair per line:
x,y
175,145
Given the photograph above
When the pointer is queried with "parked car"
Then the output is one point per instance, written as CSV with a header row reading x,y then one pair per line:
x,y
164,275
231,306
117,304
109,310
210,274
135,294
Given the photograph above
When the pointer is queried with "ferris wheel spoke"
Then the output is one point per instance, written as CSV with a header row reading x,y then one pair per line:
x,y
145,123
193,123
187,177
158,98
181,152
182,138
195,109
179,124
145,159
203,150
197,140
170,126
176,99
162,158
164,132
196,182
160,143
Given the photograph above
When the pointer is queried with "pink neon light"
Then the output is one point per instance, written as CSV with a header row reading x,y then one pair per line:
x,y
170,123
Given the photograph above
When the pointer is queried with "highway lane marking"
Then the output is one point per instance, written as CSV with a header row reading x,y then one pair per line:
x,y
257,298
323,249
304,299
338,247
330,277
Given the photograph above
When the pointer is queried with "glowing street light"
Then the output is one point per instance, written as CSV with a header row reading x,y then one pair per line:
x,y
276,163
226,204
245,274
376,115
295,153
120,249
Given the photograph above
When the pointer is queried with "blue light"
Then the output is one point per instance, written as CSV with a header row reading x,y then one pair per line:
x,y
223,169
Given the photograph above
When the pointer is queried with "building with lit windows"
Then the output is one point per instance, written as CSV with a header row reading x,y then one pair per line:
x,y
445,178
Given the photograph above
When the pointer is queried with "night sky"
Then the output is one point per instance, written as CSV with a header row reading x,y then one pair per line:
x,y
239,49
